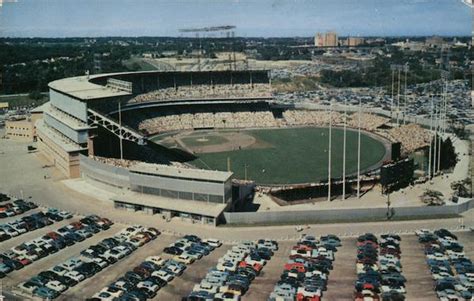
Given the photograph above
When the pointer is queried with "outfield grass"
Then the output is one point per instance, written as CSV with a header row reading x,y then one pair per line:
x,y
297,155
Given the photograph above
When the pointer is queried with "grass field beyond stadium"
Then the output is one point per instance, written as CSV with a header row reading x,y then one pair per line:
x,y
290,155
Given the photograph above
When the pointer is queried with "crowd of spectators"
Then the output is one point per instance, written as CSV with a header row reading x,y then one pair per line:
x,y
412,136
208,120
205,92
368,122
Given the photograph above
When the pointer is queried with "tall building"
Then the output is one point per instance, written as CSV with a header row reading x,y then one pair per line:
x,y
331,39
328,39
354,42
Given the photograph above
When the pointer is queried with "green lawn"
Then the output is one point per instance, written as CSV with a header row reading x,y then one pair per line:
x,y
297,155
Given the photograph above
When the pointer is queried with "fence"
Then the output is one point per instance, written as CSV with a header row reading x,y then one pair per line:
x,y
344,215
105,173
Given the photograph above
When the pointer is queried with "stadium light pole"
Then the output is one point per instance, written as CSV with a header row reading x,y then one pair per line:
x,y
358,151
344,153
120,124
405,68
398,97
435,124
431,136
393,67
329,150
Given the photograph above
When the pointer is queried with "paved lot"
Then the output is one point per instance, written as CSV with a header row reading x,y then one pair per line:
x,y
263,285
342,277
419,284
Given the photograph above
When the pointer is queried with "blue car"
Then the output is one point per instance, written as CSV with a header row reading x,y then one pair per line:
x,y
45,293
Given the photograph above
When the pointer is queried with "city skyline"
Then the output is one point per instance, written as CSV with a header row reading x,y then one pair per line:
x,y
266,18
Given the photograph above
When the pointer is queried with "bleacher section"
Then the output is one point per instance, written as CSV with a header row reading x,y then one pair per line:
x,y
205,92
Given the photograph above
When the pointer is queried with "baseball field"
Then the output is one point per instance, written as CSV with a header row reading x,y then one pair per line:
x,y
279,156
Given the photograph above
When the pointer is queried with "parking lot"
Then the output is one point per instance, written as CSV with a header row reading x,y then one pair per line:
x,y
419,285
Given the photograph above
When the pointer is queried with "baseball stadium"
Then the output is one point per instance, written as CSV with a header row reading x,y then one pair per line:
x,y
197,144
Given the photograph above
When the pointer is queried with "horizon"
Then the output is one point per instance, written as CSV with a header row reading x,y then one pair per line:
x,y
254,19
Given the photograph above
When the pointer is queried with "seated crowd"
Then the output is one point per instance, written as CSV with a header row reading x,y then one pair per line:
x,y
207,120
205,91
412,136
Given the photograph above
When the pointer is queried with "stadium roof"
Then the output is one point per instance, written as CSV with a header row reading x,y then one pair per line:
x,y
80,87
181,172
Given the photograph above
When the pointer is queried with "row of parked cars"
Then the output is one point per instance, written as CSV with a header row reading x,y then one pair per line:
x,y
31,222
51,242
235,271
145,280
15,207
451,269
379,270
191,248
307,270
51,283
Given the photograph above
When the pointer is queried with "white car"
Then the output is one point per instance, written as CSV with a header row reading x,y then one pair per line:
x,y
148,285
230,266
251,261
71,264
399,289
75,276
194,255
437,256
186,259
18,229
165,275
226,297
100,262
10,231
241,249
176,270
205,286
56,286
213,242
422,232
156,260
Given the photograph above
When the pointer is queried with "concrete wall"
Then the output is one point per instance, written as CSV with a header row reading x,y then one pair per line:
x,y
76,136
68,104
104,173
342,215
67,163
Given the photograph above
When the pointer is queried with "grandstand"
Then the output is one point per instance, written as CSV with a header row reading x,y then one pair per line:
x,y
105,121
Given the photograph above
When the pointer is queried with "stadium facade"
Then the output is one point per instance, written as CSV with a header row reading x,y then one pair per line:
x,y
82,120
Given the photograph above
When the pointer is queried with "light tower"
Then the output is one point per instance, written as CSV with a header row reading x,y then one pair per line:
x,y
344,153
358,150
329,150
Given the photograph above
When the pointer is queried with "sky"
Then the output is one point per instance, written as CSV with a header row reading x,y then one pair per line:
x,y
253,18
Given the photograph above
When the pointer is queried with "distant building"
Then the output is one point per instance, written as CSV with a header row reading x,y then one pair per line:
x,y
21,130
434,42
328,39
354,41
